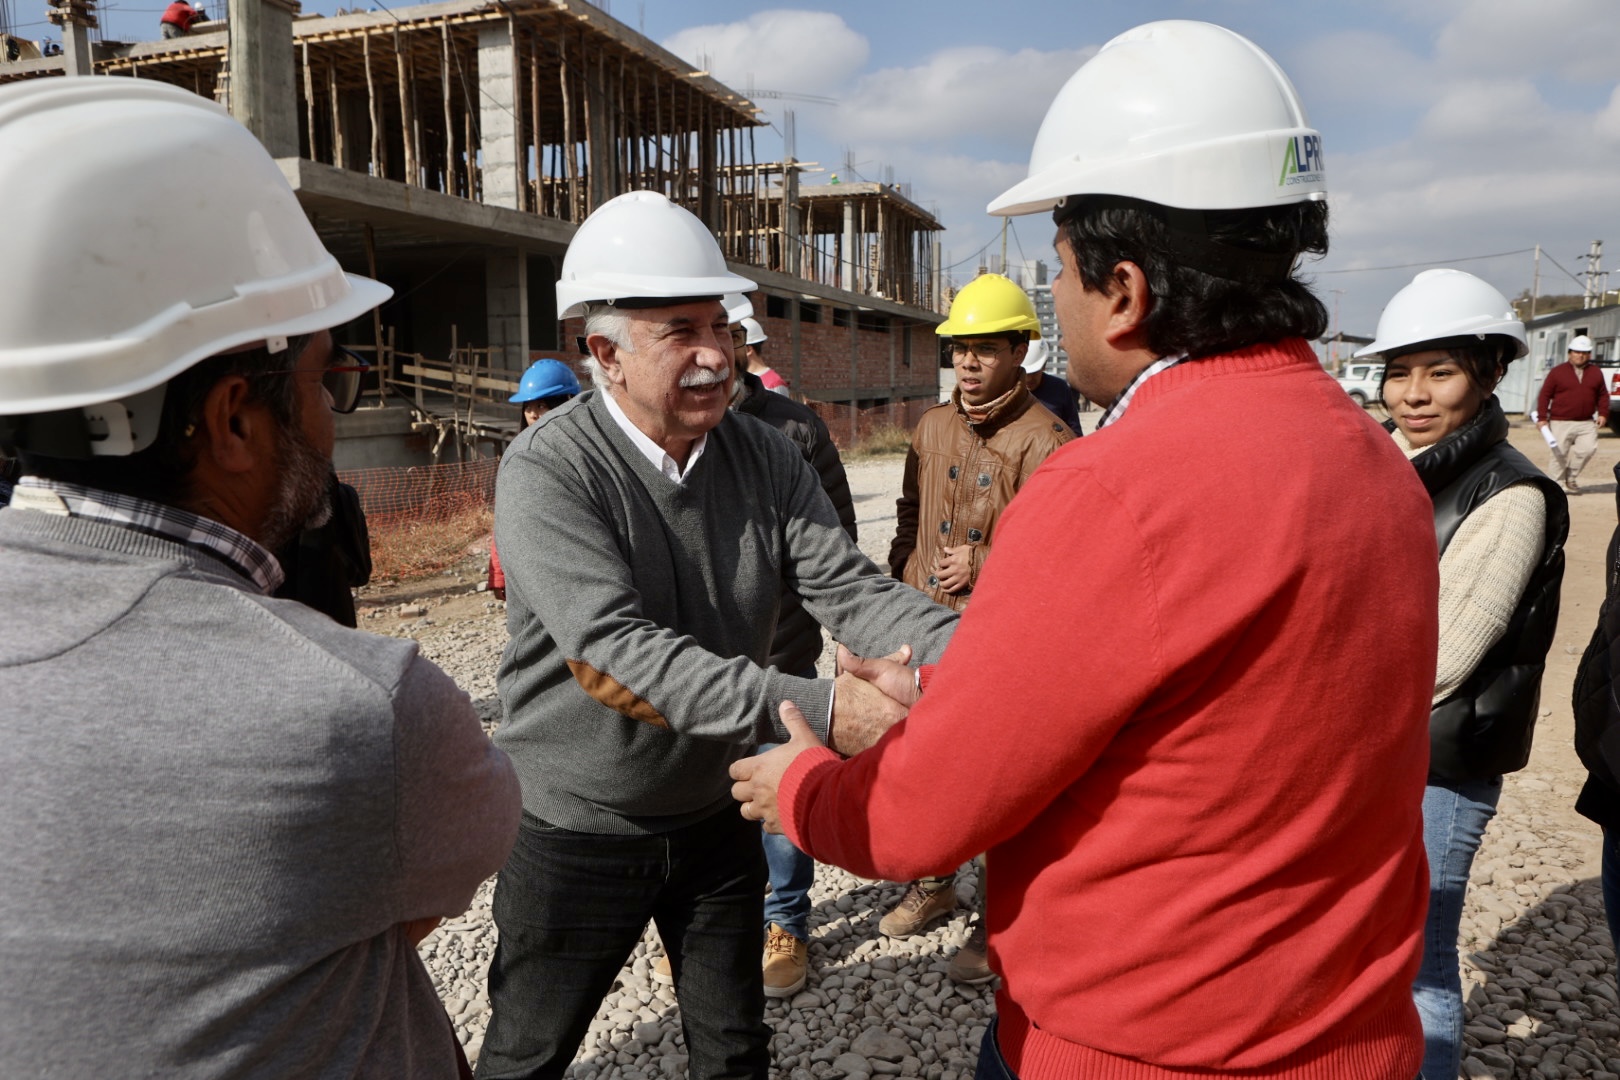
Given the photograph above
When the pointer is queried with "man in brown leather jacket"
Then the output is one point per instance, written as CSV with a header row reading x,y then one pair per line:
x,y
970,455
968,458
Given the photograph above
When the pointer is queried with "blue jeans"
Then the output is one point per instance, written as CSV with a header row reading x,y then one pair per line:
x,y
1454,819
792,873
992,1066
1611,881
570,908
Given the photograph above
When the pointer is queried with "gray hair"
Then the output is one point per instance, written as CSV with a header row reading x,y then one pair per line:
x,y
613,324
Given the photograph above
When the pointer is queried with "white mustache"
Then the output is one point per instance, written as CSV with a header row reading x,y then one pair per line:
x,y
700,378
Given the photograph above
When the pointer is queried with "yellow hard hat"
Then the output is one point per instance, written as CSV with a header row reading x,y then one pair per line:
x,y
990,304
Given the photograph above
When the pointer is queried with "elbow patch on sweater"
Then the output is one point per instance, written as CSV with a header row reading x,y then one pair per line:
x,y
615,695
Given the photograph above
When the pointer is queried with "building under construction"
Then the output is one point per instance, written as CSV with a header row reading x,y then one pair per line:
x,y
451,149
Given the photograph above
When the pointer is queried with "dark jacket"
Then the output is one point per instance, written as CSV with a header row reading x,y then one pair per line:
x,y
1061,399
797,644
1484,729
322,565
959,478
1597,708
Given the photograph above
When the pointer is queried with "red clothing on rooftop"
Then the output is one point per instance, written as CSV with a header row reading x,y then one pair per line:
x,y
1191,731
180,14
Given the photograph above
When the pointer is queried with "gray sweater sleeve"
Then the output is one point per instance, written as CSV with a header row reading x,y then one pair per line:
x,y
566,563
860,605
565,550
456,795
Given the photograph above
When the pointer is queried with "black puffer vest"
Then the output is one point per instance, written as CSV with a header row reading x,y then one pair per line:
x,y
1596,700
1484,729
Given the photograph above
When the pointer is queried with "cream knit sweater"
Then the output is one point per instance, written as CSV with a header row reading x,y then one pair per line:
x,y
1483,574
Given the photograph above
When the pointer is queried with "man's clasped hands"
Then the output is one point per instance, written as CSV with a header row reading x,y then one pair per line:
x,y
870,696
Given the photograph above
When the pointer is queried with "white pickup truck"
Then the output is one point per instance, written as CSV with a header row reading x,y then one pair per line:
x,y
1363,382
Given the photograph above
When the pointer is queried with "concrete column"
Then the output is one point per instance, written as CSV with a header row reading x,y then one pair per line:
x,y
76,58
850,276
506,309
263,83
497,116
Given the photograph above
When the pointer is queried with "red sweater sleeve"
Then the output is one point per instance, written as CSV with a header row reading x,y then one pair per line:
x,y
861,814
1544,399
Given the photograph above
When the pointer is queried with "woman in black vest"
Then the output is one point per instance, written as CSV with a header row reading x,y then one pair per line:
x,y
1446,341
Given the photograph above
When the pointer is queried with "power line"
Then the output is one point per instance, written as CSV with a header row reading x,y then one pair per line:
x,y
1433,262
1567,274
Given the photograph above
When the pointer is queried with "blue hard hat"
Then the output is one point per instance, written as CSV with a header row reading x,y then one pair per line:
x,y
546,378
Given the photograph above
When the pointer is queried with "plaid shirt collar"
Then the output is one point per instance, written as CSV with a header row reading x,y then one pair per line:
x,y
242,554
1121,403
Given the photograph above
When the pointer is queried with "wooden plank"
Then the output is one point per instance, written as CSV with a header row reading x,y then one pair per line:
x,y
407,119
457,379
449,118
376,120
309,103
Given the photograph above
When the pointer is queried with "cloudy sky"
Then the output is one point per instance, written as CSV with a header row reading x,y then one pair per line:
x,y
1451,129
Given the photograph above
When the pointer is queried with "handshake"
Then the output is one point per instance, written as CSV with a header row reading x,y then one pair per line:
x,y
869,697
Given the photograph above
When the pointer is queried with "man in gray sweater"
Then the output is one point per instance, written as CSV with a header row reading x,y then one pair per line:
x,y
646,534
226,820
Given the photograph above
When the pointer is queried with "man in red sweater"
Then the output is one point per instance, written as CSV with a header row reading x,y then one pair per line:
x,y
1574,400
1149,716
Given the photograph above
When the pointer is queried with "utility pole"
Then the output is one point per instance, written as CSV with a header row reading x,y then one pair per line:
x,y
1333,347
1004,247
76,18
1535,285
1593,275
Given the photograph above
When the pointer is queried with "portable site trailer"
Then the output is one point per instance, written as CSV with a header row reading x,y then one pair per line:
x,y
1549,338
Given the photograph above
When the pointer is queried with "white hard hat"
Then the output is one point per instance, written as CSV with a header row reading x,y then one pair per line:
x,y
1035,357
738,307
1183,114
642,246
756,332
147,231
1580,343
1441,304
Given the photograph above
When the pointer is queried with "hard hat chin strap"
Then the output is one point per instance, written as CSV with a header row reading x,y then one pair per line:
x,y
105,429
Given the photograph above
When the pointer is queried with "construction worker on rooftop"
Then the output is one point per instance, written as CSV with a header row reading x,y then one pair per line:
x,y
177,19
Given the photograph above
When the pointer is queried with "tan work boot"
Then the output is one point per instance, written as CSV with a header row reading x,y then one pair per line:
x,y
786,965
661,972
918,909
971,964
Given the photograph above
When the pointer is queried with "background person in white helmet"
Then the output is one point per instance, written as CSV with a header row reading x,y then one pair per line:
x,y
1574,400
1445,341
968,458
1203,828
226,820
647,534
754,348
1057,395
795,648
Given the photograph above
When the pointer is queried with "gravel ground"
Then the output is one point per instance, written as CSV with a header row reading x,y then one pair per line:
x,y
1538,968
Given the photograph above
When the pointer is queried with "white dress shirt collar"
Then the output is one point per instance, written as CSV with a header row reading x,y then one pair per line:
x,y
652,451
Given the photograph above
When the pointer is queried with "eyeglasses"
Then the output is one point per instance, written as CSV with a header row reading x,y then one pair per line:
x,y
341,381
984,350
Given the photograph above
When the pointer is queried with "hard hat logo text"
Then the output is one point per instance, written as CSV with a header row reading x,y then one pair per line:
x,y
1302,162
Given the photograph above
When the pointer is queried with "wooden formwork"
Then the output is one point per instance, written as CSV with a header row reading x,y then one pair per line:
x,y
598,109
